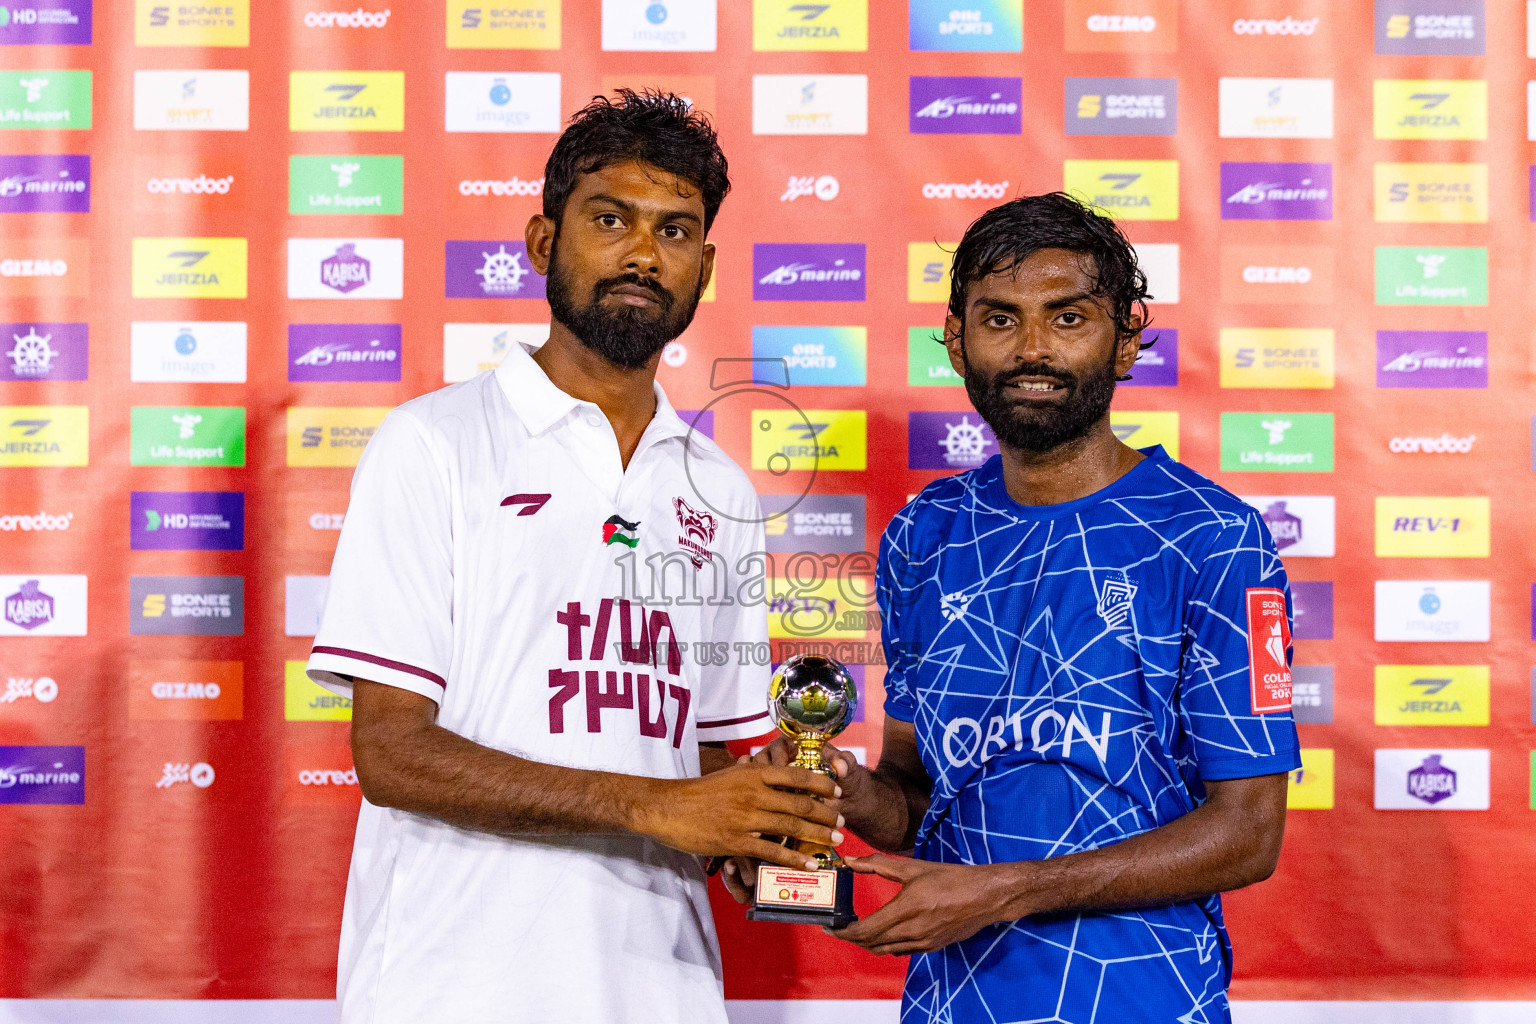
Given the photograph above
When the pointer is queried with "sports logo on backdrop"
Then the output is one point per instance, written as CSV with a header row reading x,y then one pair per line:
x,y
346,101
344,352
816,356
43,351
1431,359
1431,276
186,605
186,521
321,773
928,271
1122,26
1270,191
304,604
1415,527
45,99
312,521
1432,694
46,23
1262,274
1143,430
187,435
965,106
43,689
1312,609
928,359
823,187
44,435
42,775
469,349
1301,525
948,440
1423,109
45,184
43,267
785,439
1276,108
658,24
1417,611
976,26
792,25
490,270
43,606
814,522
191,100
1310,787
832,272
330,436
1432,193
1431,779
345,184
1456,27
1122,106
305,700
1283,442
477,25
1158,366
168,23
189,268
810,104
1312,696
476,101
198,691
1269,640
1126,189
346,268
187,351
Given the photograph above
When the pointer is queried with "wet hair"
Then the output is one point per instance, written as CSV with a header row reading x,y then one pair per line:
x,y
655,128
1005,236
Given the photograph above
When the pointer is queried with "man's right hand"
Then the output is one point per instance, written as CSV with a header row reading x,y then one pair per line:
x,y
725,813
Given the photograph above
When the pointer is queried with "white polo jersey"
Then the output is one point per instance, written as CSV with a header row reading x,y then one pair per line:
x,y
497,558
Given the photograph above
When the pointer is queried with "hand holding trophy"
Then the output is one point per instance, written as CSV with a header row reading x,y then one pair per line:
x,y
812,699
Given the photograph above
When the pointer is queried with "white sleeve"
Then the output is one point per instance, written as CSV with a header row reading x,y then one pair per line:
x,y
734,701
388,617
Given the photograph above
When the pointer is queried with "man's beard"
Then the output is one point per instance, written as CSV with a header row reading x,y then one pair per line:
x,y
625,335
1039,428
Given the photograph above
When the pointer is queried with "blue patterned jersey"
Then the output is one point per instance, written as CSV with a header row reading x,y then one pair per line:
x,y
1074,673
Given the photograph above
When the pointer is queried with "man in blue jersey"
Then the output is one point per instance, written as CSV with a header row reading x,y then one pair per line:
x,y
1088,722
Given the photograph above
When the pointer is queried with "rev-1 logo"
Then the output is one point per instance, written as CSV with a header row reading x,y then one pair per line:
x,y
1426,524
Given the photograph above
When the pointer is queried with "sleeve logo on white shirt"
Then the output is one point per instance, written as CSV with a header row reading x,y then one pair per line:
x,y
1269,637
531,502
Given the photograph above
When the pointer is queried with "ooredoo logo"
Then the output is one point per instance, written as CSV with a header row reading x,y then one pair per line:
x,y
1445,444
40,522
513,186
358,18
1286,26
977,189
202,185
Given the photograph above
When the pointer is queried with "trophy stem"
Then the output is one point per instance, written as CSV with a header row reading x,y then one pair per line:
x,y
808,753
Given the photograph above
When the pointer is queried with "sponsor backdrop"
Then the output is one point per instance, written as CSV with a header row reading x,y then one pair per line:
x,y
233,235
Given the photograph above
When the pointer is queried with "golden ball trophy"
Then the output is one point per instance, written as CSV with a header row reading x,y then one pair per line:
x,y
811,699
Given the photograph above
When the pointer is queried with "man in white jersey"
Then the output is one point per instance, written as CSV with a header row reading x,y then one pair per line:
x,y
529,606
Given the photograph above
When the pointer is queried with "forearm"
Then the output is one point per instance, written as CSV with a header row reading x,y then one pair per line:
x,y
714,757
887,810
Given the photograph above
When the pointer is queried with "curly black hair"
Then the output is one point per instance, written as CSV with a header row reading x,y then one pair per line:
x,y
655,128
1005,236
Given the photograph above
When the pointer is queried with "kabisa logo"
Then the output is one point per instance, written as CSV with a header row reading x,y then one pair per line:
x,y
45,184
1443,276
490,270
345,270
1301,525
43,689
1432,193
43,351
1424,27
972,106
493,102
199,774
350,101
1122,106
186,605
1283,527
785,439
1431,359
823,187
513,186
29,607
1286,26
357,18
944,440
1275,191
1431,781
1127,189
825,272
193,268
791,25
977,189
42,775
48,23
344,352
187,521
43,605
1430,109
995,26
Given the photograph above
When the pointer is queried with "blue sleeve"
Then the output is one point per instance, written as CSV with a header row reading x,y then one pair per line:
x,y
893,587
1235,682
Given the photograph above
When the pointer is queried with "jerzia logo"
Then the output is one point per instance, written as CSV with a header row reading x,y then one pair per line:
x,y
618,530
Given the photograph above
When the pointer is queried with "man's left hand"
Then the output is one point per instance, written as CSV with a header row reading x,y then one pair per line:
x,y
938,904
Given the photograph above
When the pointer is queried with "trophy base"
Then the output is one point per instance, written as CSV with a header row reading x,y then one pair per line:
x,y
823,897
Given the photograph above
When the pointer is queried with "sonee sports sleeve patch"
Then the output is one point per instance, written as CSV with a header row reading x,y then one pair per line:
x,y
1269,637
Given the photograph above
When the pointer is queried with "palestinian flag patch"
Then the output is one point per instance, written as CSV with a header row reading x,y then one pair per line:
x,y
618,530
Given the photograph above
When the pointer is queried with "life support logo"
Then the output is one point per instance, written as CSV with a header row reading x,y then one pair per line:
x,y
1269,638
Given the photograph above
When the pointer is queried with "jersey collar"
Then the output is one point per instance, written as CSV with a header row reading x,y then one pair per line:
x,y
541,405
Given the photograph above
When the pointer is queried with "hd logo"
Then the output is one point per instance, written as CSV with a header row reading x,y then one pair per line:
x,y
332,436
189,268
1428,109
1127,189
1414,527
169,23
44,435
785,439
793,25
1432,193
346,101
478,25
1432,694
